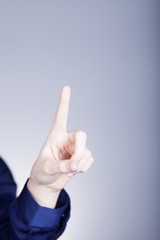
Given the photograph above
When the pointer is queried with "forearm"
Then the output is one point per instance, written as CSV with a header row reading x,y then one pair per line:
x,y
44,196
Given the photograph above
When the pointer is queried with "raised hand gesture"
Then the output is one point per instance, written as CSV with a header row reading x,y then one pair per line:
x,y
63,155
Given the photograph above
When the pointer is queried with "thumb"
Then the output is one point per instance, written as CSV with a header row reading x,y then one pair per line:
x,y
66,166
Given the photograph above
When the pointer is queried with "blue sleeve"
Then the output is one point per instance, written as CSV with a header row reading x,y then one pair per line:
x,y
22,217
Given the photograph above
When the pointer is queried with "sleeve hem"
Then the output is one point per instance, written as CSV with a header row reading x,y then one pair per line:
x,y
42,217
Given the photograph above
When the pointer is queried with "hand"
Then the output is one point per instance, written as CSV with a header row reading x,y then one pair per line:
x,y
63,154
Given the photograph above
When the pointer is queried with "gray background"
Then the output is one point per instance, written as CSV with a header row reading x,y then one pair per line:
x,y
108,52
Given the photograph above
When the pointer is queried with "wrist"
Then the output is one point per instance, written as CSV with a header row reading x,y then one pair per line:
x,y
42,194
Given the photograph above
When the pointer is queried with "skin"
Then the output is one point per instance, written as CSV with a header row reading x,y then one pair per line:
x,y
63,155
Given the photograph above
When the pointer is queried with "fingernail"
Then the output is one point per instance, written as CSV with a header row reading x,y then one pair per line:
x,y
73,167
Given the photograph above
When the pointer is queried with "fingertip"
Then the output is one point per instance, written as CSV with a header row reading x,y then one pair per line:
x,y
67,89
65,94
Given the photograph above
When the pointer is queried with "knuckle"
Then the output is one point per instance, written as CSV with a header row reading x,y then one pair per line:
x,y
82,134
92,160
89,154
84,170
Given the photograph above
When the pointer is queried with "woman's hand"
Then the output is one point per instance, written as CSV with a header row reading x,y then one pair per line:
x,y
63,155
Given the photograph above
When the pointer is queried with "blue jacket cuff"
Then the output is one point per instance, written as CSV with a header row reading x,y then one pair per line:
x,y
43,217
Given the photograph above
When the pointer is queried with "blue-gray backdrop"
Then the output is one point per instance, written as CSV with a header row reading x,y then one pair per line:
x,y
108,52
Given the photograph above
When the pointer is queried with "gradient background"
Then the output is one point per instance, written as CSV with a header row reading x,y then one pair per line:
x,y
108,52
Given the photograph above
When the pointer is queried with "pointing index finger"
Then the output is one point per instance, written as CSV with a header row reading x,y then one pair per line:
x,y
60,120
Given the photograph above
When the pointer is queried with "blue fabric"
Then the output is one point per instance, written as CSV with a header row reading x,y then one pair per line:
x,y
23,218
